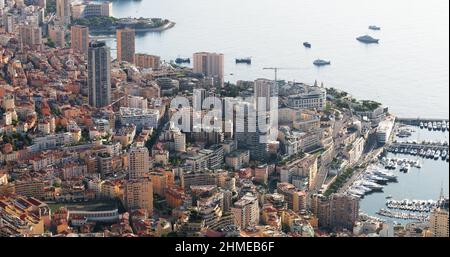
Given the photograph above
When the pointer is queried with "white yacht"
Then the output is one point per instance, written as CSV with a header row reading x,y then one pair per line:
x,y
385,174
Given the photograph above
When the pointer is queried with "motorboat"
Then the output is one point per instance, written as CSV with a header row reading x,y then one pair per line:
x,y
320,62
367,39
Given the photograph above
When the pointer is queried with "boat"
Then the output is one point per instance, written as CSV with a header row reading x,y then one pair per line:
x,y
320,62
430,125
405,168
376,179
356,192
444,125
404,134
444,154
421,125
432,153
373,27
307,44
182,60
425,124
434,125
417,164
437,154
367,39
422,152
244,60
372,185
389,197
428,154
385,174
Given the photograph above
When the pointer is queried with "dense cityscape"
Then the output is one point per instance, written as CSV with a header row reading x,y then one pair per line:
x,y
92,146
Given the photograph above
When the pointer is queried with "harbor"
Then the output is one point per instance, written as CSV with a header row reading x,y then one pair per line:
x,y
419,161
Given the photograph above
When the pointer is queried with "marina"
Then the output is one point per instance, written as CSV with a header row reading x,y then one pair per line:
x,y
419,161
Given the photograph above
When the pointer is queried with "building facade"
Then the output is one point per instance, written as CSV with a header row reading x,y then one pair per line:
x,y
99,74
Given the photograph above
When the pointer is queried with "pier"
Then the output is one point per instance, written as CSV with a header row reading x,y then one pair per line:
x,y
417,121
419,146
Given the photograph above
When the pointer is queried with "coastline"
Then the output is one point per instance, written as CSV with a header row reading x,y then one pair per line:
x,y
112,30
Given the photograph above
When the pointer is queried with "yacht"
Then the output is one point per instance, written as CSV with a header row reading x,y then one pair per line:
x,y
247,60
421,124
307,44
372,185
444,154
422,152
427,155
373,27
437,154
432,153
434,125
362,188
320,62
356,192
430,125
376,178
417,164
405,168
385,174
367,39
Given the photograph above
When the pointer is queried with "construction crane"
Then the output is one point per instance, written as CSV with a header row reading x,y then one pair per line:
x,y
276,69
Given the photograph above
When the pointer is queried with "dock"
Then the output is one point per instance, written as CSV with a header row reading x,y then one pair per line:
x,y
417,121
418,146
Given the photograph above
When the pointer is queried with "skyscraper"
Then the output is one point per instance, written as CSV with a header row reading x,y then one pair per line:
x,y
8,22
139,162
147,61
30,36
139,195
344,211
265,89
79,38
99,74
211,65
63,11
57,35
126,45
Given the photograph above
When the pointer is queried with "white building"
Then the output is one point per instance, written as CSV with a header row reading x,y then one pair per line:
x,y
80,11
312,98
384,130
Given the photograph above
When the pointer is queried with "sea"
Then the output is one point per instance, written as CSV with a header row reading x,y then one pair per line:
x,y
408,70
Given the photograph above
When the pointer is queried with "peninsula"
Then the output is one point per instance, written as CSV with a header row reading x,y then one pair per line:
x,y
109,25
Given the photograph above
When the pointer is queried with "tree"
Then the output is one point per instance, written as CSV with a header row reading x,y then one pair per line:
x,y
50,43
